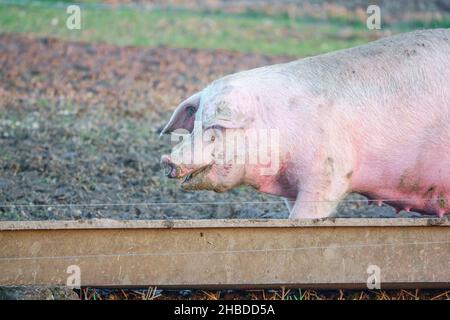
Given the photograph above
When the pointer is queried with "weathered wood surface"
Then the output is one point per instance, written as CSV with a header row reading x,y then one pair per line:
x,y
227,253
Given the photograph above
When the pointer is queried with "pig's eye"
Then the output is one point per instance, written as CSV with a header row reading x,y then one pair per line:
x,y
190,110
213,138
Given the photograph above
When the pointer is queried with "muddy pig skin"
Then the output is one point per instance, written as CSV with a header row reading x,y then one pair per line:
x,y
374,119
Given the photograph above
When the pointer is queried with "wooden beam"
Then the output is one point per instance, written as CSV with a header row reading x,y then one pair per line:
x,y
330,253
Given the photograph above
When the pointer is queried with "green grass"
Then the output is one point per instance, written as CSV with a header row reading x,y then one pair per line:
x,y
250,32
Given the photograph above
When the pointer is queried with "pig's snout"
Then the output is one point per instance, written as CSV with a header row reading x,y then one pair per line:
x,y
170,168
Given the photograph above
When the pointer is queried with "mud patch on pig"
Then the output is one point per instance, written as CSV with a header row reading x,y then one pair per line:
x,y
409,182
442,201
349,175
223,110
409,52
294,103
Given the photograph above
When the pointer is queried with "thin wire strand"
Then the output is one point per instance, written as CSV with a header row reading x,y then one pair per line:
x,y
6,205
138,204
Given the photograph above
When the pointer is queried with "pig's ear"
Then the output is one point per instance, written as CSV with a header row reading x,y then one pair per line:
x,y
184,115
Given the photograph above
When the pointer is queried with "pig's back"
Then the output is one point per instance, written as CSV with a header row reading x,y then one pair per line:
x,y
406,64
392,90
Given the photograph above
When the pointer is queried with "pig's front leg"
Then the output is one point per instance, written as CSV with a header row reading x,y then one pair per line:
x,y
319,199
289,204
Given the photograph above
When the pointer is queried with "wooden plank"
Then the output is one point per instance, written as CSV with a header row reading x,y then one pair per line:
x,y
220,223
330,253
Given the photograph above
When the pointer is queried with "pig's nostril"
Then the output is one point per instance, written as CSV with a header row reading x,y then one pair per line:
x,y
169,169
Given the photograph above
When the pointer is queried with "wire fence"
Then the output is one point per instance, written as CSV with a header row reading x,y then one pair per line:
x,y
378,201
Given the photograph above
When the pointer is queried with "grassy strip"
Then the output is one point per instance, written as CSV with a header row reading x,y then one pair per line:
x,y
250,32
185,29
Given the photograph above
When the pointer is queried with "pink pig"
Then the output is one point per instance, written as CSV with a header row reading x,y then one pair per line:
x,y
374,119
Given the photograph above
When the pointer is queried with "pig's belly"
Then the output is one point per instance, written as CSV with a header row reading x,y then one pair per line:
x,y
420,184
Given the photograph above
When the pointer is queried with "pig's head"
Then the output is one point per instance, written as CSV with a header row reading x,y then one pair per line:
x,y
201,158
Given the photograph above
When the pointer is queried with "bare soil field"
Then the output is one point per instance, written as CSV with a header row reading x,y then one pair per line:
x,y
79,133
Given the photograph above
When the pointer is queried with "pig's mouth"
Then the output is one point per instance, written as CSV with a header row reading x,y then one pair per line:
x,y
195,177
